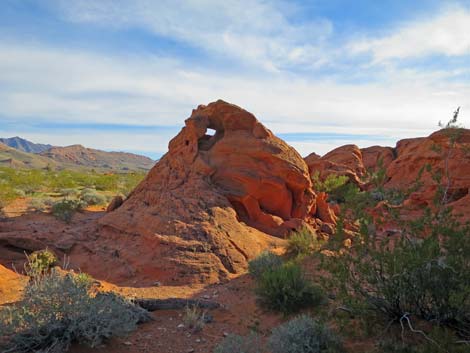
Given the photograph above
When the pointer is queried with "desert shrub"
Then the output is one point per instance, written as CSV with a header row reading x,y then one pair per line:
x,y
69,192
240,344
302,242
65,209
424,273
57,310
286,289
7,193
330,183
40,204
303,335
437,342
194,318
338,187
266,261
83,279
39,262
91,197
65,182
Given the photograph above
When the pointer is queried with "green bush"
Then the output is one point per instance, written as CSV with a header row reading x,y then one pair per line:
x,y
91,197
57,310
330,183
39,262
266,261
286,289
40,204
304,335
301,243
65,209
240,344
426,274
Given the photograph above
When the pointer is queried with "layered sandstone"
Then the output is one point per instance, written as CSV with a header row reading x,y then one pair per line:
x,y
216,200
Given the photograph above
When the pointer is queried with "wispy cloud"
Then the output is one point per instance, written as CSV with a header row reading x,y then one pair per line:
x,y
290,71
446,33
150,91
256,31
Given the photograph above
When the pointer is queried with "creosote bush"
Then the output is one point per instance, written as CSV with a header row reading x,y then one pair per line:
x,y
421,273
338,187
65,209
302,242
240,344
304,335
58,309
286,289
266,261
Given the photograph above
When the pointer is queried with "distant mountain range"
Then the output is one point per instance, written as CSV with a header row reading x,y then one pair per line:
x,y
17,152
24,145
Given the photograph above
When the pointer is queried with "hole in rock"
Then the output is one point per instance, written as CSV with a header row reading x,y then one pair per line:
x,y
209,139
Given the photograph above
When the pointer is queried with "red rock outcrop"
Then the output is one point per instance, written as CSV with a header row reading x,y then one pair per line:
x,y
403,164
372,155
11,285
207,204
436,151
345,160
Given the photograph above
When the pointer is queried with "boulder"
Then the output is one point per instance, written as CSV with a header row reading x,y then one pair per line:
x,y
371,157
115,203
342,161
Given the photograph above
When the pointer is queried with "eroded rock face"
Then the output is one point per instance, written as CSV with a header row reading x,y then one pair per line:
x,y
403,165
372,155
345,160
437,152
197,201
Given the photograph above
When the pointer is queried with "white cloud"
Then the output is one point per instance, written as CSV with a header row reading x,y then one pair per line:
x,y
40,82
447,34
256,32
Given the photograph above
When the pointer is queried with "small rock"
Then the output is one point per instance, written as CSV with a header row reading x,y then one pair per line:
x,y
180,326
128,343
226,334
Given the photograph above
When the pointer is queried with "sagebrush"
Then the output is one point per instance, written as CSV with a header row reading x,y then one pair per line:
x,y
304,335
57,310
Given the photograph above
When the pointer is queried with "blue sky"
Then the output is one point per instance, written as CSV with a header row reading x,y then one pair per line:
x,y
123,75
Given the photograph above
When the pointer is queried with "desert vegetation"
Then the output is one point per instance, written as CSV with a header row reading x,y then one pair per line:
x,y
365,265
63,192
413,284
59,308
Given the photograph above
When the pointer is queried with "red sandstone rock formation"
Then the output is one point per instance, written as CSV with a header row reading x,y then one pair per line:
x,y
403,164
437,152
372,155
208,203
345,160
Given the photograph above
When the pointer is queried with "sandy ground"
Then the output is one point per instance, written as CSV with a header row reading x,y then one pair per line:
x,y
239,312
